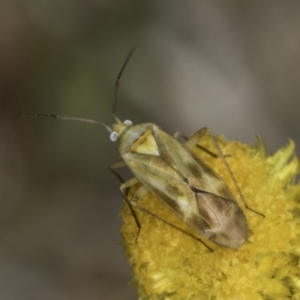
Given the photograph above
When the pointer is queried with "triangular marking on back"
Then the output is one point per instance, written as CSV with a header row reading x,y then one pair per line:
x,y
145,144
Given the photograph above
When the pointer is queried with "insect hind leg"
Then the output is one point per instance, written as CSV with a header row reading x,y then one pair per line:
x,y
148,212
139,193
192,142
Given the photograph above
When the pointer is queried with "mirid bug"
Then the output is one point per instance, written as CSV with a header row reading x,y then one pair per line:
x,y
178,178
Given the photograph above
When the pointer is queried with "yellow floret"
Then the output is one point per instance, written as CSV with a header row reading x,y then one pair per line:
x,y
168,264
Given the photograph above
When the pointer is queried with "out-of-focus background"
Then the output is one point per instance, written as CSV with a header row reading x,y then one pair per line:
x,y
233,66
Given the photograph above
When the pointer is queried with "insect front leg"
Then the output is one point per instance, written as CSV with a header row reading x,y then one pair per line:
x,y
117,165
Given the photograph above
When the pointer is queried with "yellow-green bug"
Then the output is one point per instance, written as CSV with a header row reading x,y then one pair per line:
x,y
182,181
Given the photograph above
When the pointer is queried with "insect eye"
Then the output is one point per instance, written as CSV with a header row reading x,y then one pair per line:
x,y
113,136
127,122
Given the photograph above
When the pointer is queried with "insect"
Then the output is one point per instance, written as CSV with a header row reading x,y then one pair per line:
x,y
178,178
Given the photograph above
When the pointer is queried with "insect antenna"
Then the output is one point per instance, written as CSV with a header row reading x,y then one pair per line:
x,y
78,119
115,96
65,118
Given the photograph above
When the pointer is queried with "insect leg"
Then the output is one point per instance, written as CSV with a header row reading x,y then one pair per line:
x,y
117,165
139,193
178,134
124,188
168,223
192,142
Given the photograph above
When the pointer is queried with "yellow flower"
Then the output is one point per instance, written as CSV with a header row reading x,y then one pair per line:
x,y
168,264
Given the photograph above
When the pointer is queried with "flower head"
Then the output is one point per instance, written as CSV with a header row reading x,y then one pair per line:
x,y
169,264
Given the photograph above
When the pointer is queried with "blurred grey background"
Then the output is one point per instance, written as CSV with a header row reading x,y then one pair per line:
x,y
233,66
